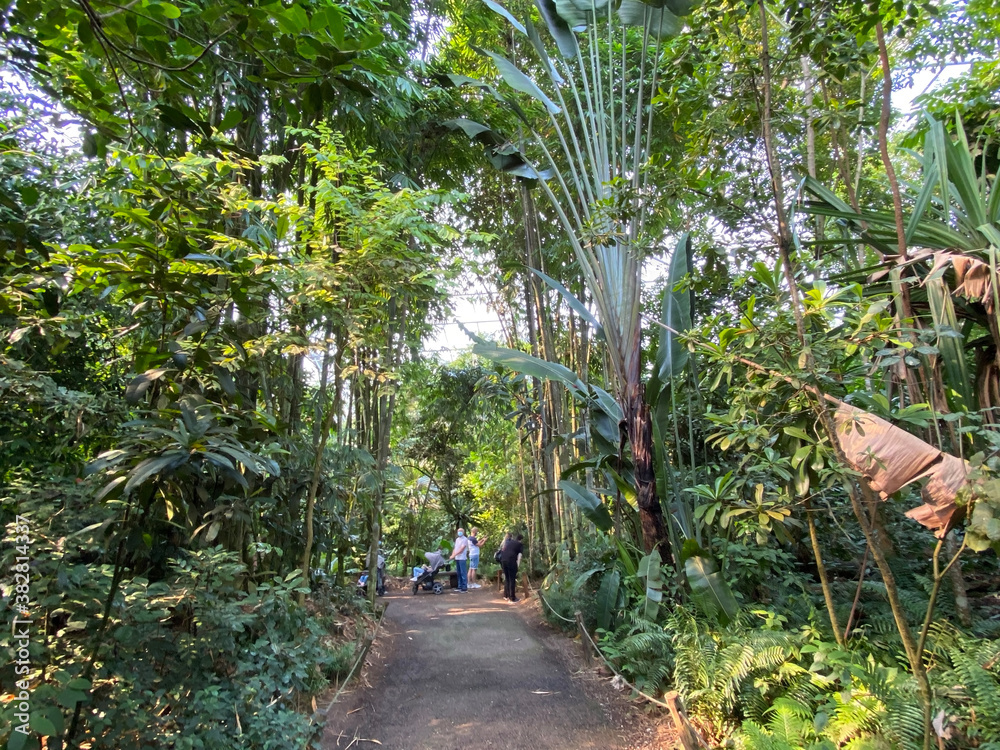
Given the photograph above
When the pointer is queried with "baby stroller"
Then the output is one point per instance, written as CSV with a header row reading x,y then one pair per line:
x,y
426,581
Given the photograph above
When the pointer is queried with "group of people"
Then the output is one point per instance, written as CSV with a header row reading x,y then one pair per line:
x,y
465,554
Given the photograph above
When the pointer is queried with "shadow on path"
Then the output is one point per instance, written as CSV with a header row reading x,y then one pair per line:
x,y
464,672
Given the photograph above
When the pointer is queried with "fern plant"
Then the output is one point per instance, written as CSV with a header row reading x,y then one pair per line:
x,y
969,677
714,670
642,650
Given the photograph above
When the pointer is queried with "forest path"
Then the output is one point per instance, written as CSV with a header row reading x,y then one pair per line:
x,y
467,672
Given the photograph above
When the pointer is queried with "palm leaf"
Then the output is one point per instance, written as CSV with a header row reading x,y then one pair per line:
x,y
518,81
572,300
950,341
532,366
498,8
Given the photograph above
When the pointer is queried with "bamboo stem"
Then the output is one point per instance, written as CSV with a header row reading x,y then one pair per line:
x,y
824,580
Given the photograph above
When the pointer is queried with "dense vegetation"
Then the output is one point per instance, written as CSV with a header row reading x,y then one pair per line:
x,y
750,361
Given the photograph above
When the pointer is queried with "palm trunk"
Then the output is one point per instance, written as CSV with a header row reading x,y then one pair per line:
x,y
639,424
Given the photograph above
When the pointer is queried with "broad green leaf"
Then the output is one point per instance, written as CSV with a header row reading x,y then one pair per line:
x,y
543,54
627,490
572,300
708,590
169,10
150,466
607,597
498,8
533,366
559,29
332,20
469,127
42,724
584,577
649,568
661,23
518,81
291,20
608,404
797,432
233,118
589,503
141,383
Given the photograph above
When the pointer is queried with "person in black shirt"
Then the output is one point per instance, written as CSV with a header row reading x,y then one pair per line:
x,y
510,558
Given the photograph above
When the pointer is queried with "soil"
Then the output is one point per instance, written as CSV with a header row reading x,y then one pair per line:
x,y
470,671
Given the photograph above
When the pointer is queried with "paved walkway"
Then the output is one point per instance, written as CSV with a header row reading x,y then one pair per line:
x,y
465,672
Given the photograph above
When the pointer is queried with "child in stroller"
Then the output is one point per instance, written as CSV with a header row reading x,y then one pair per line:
x,y
425,579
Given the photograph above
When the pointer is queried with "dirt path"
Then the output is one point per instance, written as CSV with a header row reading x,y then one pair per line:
x,y
467,672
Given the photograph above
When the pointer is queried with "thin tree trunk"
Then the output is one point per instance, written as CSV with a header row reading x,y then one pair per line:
x,y
321,433
826,420
824,580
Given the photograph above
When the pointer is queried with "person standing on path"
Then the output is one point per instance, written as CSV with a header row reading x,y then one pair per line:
x,y
510,559
460,555
475,542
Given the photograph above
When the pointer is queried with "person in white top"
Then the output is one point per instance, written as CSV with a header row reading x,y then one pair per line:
x,y
460,554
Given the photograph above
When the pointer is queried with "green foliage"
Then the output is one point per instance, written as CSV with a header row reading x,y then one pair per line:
x,y
588,583
642,650
191,659
715,670
970,680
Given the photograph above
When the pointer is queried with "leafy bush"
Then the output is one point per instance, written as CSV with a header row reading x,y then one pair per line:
x,y
193,660
573,585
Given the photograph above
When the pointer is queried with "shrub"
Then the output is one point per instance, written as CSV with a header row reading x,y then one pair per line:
x,y
192,661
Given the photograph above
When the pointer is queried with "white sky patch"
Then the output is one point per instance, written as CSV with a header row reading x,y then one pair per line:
x,y
473,310
924,81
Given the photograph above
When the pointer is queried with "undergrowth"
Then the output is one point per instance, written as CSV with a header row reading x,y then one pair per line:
x,y
202,658
773,678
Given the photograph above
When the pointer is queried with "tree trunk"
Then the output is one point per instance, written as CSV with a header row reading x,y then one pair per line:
x,y
640,435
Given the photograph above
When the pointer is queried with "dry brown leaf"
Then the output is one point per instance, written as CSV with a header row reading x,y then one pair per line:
x,y
890,458
973,279
939,511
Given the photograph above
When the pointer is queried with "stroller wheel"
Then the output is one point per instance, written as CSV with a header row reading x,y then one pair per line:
x,y
438,588
415,587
